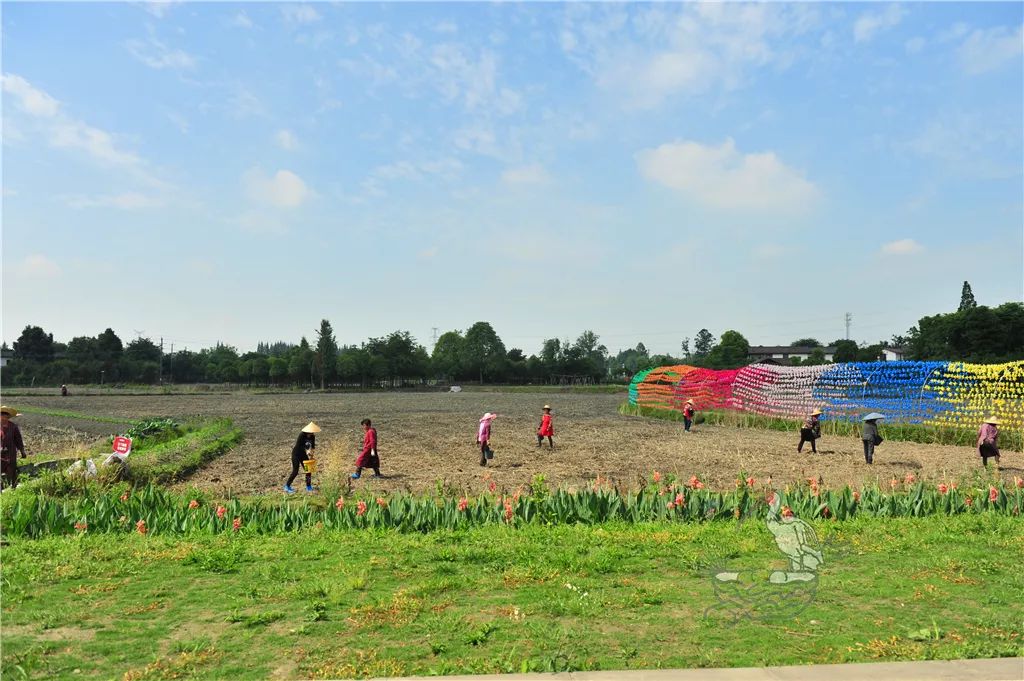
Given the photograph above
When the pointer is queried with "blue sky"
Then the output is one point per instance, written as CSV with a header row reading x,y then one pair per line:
x,y
236,172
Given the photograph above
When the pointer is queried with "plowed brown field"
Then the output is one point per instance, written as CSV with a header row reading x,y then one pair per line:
x,y
429,437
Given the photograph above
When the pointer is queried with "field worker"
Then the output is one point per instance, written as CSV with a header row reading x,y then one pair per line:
x,y
368,457
305,448
63,391
483,438
546,430
10,444
688,412
869,434
810,431
988,441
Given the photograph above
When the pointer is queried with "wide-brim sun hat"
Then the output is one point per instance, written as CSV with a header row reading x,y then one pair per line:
x,y
817,412
993,420
547,407
874,416
10,411
489,417
311,428
689,401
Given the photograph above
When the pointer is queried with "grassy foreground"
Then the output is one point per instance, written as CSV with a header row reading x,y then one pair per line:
x,y
328,603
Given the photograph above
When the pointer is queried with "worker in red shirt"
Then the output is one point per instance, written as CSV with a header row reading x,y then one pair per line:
x,y
368,458
546,430
688,411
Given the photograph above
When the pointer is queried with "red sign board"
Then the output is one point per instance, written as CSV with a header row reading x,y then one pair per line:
x,y
122,445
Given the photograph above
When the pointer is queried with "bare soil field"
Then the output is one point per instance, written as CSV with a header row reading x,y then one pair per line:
x,y
426,438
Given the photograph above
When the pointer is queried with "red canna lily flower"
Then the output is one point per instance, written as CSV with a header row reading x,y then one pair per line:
x,y
909,479
750,482
657,476
1018,482
382,502
361,508
193,504
856,496
124,497
82,526
140,527
463,504
968,501
340,503
893,483
236,524
943,488
680,499
787,512
993,494
693,482
670,505
221,511
493,486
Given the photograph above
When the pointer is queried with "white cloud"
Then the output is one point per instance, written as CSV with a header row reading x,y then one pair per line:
x,y
179,121
722,177
65,132
284,188
645,55
914,45
126,201
901,247
241,20
300,14
525,175
30,99
287,140
37,267
156,55
869,24
260,223
243,104
988,49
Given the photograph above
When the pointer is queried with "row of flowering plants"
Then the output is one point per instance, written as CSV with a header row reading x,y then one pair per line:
x,y
156,510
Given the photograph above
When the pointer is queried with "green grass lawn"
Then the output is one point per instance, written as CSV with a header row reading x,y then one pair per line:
x,y
335,604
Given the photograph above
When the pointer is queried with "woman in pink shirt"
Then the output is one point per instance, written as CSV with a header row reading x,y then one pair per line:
x,y
483,438
988,441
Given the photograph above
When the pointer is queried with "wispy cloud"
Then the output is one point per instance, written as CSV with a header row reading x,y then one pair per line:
x,y
160,8
283,189
241,20
37,266
300,14
871,23
126,201
901,247
723,178
287,140
526,175
157,55
986,50
30,99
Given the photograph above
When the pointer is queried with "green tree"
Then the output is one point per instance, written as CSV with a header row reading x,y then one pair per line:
x,y
816,358
300,364
447,358
326,356
703,343
967,301
278,369
142,350
82,349
109,346
805,343
34,344
846,351
483,351
732,351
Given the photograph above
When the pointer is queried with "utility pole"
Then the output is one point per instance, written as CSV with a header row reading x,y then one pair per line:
x,y
848,318
160,371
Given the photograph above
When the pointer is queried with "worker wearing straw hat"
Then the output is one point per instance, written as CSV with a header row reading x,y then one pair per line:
x,y
304,449
483,437
546,430
10,445
988,441
810,431
688,411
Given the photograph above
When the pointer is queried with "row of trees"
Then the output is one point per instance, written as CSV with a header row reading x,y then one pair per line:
x,y
973,333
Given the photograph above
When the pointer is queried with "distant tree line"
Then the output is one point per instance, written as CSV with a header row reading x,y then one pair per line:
x,y
974,333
